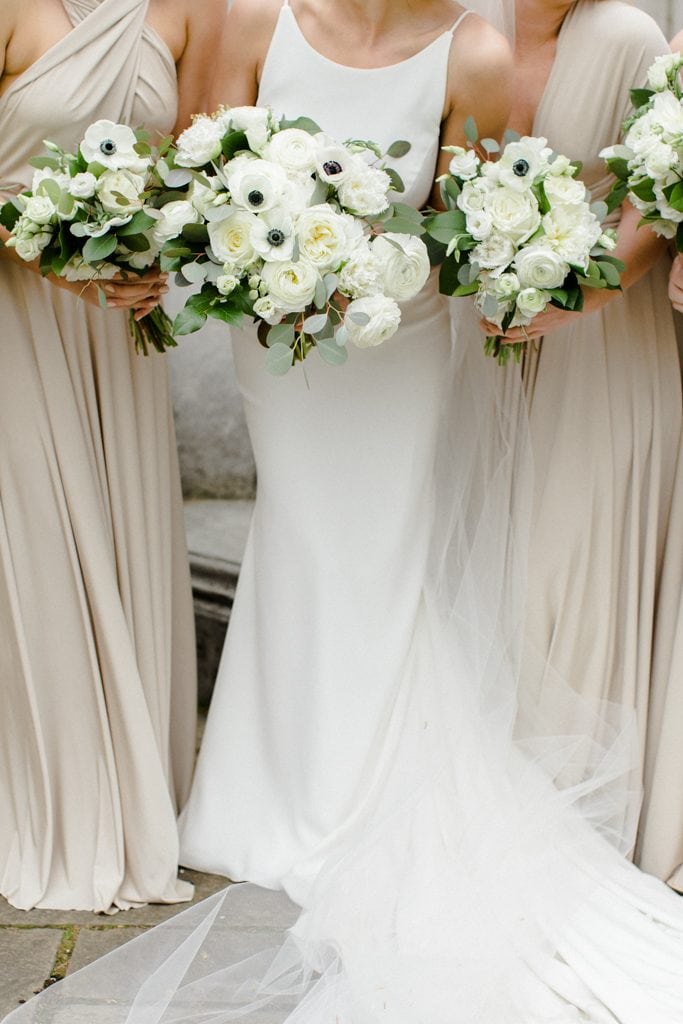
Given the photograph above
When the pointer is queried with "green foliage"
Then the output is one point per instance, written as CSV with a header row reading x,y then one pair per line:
x,y
96,249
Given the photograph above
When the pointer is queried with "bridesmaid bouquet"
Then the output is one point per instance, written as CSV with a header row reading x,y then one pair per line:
x,y
88,215
519,233
283,225
649,165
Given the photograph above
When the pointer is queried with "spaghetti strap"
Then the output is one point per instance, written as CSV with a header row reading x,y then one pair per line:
x,y
454,27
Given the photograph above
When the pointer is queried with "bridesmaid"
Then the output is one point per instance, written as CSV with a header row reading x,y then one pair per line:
x,y
96,632
603,386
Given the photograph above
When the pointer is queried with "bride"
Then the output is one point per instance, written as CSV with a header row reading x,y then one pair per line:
x,y
454,860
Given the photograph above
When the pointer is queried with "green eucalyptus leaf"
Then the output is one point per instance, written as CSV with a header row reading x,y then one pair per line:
x,y
195,273
137,243
313,324
306,124
470,129
279,359
99,248
332,352
281,334
398,149
140,221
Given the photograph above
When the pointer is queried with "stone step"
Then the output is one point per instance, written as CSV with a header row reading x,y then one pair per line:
x,y
217,532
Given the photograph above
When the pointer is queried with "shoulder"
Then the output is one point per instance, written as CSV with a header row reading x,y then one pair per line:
x,y
677,43
481,57
625,26
203,13
250,20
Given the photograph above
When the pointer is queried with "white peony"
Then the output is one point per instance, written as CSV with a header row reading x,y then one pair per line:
x,y
40,209
514,213
572,231
272,235
364,190
384,319
113,146
464,163
83,185
230,237
539,266
325,236
404,265
174,217
291,285
293,149
256,185
200,143
120,192
522,162
360,276
531,301
494,252
254,122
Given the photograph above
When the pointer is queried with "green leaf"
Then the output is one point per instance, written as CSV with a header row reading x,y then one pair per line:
x,y
195,272
448,276
396,179
470,129
645,190
398,149
490,145
140,221
9,215
609,272
306,124
188,321
279,359
233,143
313,324
99,248
331,352
640,97
404,227
468,289
226,314
617,195
196,234
50,188
280,334
320,295
599,210
407,212
679,238
619,167
41,162
137,243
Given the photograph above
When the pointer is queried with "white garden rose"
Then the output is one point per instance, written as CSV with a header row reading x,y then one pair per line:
x,y
113,146
384,317
174,217
572,231
514,213
494,252
200,143
40,209
291,285
293,149
254,122
365,189
272,235
230,237
464,163
474,195
531,301
505,286
404,265
256,185
361,275
561,188
83,185
226,283
539,266
522,162
325,236
30,246
120,192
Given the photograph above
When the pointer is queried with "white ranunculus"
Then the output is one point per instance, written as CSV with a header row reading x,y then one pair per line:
x,y
83,185
254,122
226,283
29,247
479,224
365,189
474,195
230,237
561,188
531,301
40,209
404,265
120,192
256,185
113,146
668,113
538,266
272,235
464,163
384,319
522,162
513,213
200,143
494,252
572,231
291,285
333,161
360,276
174,217
505,286
323,236
294,149
299,191
266,309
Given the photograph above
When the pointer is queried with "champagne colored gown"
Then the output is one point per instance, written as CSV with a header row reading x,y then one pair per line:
x,y
605,412
96,634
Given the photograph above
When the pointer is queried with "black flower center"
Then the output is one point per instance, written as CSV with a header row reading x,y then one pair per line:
x,y
108,147
255,197
275,236
520,168
332,167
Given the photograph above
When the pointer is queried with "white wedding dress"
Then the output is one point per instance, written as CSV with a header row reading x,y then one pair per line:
x,y
365,751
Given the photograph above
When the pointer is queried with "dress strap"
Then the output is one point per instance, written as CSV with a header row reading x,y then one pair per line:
x,y
454,27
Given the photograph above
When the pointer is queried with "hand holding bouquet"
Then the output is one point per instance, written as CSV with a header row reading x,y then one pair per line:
x,y
519,234
288,226
88,216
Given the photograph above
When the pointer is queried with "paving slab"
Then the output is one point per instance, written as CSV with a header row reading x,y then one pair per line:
x,y
218,529
26,959
93,943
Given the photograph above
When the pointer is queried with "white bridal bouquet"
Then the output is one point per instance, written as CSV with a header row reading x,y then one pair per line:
x,y
519,233
90,216
649,165
283,224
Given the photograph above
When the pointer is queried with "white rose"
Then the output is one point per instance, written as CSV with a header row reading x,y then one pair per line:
x,y
200,143
522,162
494,252
29,247
230,237
538,266
364,190
272,235
513,213
113,146
572,231
668,113
293,149
174,217
404,266
660,159
83,185
564,189
464,163
266,309
291,285
384,319
254,122
40,209
531,301
479,224
256,185
120,191
323,236
505,286
226,283
474,195
658,73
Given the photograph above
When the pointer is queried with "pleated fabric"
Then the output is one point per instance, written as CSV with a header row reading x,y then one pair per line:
x,y
97,658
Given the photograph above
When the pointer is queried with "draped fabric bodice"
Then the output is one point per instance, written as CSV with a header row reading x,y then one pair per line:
x,y
110,65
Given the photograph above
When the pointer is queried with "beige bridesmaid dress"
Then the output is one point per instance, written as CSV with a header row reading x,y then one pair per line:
x,y
605,412
97,662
